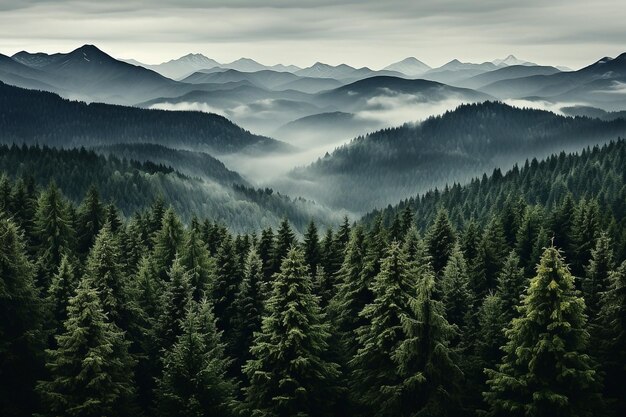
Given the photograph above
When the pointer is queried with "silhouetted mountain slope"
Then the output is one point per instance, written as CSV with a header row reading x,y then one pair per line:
x,y
197,164
507,73
45,118
601,83
596,173
390,164
410,66
358,95
133,186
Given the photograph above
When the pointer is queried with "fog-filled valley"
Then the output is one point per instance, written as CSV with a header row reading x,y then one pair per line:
x,y
346,139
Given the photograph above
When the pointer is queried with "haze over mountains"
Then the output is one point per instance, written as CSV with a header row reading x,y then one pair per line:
x,y
252,124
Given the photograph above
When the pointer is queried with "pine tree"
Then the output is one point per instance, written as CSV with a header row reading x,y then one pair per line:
x,y
54,232
104,270
91,371
491,323
196,260
527,238
24,202
343,235
285,239
167,243
545,370
332,257
596,280
585,231
471,247
267,246
511,285
494,250
312,249
91,218
194,381
20,327
225,287
611,340
457,296
61,290
353,292
174,303
288,374
405,335
249,306
440,240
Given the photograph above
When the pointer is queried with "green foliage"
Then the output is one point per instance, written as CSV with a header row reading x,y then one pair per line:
x,y
546,370
21,334
194,381
288,374
90,370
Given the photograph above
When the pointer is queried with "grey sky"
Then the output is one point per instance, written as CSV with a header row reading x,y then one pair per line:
x,y
367,32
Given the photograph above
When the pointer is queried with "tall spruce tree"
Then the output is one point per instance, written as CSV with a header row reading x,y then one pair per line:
x,y
457,296
249,306
194,381
403,346
20,327
494,251
311,245
61,289
91,372
167,243
91,217
225,287
596,279
440,240
546,370
288,374
611,341
285,239
54,233
174,303
196,259
510,287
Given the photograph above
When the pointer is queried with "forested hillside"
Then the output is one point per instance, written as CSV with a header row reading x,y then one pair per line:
x,y
454,147
133,186
504,297
36,117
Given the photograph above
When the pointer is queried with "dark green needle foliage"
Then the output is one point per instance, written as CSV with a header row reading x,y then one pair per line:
x,y
288,374
90,370
194,381
546,370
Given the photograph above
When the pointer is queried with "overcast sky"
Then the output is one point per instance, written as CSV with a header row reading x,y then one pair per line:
x,y
361,33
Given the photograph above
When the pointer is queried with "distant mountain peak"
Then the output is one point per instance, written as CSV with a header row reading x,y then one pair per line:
x,y
409,66
511,60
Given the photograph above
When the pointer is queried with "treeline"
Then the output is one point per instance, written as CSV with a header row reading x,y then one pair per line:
x,y
453,147
133,185
149,317
37,117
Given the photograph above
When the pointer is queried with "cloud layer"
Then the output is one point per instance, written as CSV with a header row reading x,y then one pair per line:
x,y
363,32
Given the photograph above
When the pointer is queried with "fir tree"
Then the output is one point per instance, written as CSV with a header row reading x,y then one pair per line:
x,y
288,373
510,287
596,280
471,247
545,370
440,240
91,218
285,239
226,286
167,243
249,306
457,296
527,235
494,251
196,260
194,381
312,249
91,371
266,250
611,340
61,290
174,303
20,327
54,232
